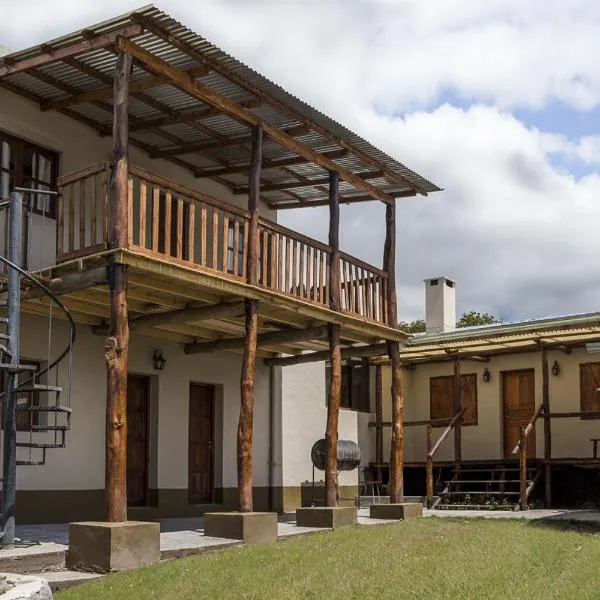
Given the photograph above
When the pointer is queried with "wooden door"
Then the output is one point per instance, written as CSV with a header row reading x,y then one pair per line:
x,y
518,393
137,439
201,444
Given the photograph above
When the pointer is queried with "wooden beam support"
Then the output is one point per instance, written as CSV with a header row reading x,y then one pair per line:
x,y
267,164
322,355
457,407
290,185
272,338
250,341
93,43
139,85
239,140
547,428
116,350
335,357
283,205
208,95
397,445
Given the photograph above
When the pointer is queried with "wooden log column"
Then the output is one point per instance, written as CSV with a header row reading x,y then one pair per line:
x,y
397,446
547,429
335,356
246,423
457,407
116,349
379,420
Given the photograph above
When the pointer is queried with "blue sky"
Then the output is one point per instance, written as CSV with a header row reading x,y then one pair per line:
x,y
498,102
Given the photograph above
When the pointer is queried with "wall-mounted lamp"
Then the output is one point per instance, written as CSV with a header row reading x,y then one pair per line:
x,y
159,360
555,368
486,375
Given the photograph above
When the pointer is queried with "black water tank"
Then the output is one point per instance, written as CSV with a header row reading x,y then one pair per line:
x,y
348,455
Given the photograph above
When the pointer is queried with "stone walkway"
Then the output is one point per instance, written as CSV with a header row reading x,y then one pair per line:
x,y
582,516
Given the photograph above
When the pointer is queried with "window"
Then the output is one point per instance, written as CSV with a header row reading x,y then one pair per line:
x,y
589,382
355,385
24,165
441,398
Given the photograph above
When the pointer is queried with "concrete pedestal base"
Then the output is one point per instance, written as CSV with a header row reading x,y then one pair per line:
x,y
102,547
400,511
332,517
252,528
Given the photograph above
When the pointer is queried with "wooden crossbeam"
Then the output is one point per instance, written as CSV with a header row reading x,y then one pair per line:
x,y
283,336
283,205
106,93
290,185
268,164
51,55
206,94
226,143
323,355
151,25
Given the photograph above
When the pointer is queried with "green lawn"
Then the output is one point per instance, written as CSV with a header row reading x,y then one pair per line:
x,y
427,558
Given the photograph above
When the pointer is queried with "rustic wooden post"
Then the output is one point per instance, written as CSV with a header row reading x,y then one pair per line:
x,y
379,420
457,407
523,469
547,430
116,351
335,356
429,465
397,445
244,443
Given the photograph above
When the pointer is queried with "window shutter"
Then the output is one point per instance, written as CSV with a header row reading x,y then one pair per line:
x,y
589,382
441,398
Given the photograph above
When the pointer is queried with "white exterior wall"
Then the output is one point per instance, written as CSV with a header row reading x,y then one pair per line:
x,y
80,466
304,419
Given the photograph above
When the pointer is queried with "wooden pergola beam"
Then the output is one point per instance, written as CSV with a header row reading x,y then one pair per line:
x,y
275,187
151,25
206,94
240,140
278,205
323,355
139,85
93,43
283,336
267,164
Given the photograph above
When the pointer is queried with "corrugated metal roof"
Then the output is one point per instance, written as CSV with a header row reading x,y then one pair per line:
x,y
172,42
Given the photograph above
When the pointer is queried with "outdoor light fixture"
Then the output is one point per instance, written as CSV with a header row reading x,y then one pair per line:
x,y
555,368
486,375
159,360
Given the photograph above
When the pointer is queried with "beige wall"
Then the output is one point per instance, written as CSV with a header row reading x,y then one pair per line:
x,y
80,466
80,146
570,437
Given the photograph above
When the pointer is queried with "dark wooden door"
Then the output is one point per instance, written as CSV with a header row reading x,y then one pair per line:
x,y
137,439
201,444
518,393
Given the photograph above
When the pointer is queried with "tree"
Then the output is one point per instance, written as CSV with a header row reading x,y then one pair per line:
x,y
472,318
468,319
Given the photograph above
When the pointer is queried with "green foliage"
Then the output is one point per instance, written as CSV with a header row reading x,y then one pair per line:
x,y
472,318
417,326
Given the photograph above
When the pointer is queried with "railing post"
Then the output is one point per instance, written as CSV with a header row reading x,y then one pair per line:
x,y
523,469
429,466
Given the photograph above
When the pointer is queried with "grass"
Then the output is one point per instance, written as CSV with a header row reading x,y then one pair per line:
x,y
437,558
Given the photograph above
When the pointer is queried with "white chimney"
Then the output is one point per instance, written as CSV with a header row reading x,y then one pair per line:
x,y
440,305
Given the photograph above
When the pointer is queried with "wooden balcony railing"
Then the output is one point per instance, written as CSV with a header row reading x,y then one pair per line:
x,y
187,227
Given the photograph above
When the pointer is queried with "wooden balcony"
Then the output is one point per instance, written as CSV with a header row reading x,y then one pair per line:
x,y
174,223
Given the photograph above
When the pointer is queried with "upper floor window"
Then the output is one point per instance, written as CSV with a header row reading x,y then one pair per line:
x,y
23,164
441,398
355,385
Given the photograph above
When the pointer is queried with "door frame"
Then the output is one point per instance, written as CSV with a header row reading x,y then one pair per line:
x,y
148,379
503,409
217,439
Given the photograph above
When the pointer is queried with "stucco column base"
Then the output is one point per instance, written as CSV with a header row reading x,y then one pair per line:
x,y
332,517
400,511
101,547
252,527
